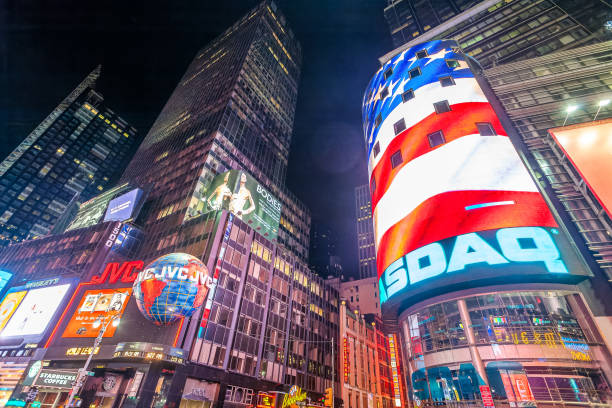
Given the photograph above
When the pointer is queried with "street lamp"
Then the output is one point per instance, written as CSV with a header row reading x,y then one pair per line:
x,y
569,110
103,324
601,104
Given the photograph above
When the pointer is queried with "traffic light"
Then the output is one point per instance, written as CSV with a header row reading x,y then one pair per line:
x,y
329,396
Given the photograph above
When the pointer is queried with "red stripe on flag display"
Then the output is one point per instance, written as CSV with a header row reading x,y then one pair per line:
x,y
444,216
413,142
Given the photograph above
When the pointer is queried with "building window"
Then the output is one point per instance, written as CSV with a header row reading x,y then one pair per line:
x,y
451,63
384,93
415,72
399,126
436,138
421,54
378,120
376,149
442,107
485,129
447,81
408,95
388,73
396,159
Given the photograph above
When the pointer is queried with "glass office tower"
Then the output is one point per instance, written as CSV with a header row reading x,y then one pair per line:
x,y
72,155
365,233
233,109
497,31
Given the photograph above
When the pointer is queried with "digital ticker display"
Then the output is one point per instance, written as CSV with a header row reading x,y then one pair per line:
x,y
452,202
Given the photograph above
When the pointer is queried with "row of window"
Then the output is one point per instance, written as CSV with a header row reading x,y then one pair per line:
x,y
435,139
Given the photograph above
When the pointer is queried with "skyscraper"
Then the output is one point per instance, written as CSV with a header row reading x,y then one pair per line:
x,y
366,250
71,155
497,31
489,297
233,109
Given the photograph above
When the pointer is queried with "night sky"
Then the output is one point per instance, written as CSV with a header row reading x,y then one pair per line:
x,y
47,48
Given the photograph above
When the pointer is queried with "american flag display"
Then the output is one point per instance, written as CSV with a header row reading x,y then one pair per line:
x,y
439,161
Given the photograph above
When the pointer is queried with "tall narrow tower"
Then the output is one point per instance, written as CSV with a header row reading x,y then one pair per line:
x,y
232,109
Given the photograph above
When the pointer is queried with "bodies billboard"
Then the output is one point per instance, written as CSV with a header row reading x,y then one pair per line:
x,y
588,147
452,201
239,193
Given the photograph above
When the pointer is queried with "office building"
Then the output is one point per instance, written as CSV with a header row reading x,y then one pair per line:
x,y
232,109
370,373
324,259
362,294
495,31
70,156
481,320
536,94
365,233
261,323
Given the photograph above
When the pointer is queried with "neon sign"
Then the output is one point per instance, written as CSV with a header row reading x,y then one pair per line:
x,y
346,360
294,396
516,246
394,371
128,272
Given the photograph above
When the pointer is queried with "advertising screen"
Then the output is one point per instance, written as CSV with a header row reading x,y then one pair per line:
x,y
35,311
589,147
124,206
97,304
92,211
239,193
5,277
452,201
9,305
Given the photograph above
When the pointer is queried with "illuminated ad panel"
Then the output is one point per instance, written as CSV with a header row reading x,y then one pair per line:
x,y
94,305
242,195
589,148
452,202
27,311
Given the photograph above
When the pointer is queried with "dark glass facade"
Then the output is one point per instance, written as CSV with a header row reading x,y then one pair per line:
x,y
365,232
71,156
536,94
233,109
496,32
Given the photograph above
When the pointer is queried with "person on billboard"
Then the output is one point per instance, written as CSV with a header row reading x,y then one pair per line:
x,y
221,193
240,198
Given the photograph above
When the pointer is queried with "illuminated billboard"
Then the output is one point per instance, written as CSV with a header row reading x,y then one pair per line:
x,y
92,211
27,311
242,195
452,201
588,147
124,207
94,305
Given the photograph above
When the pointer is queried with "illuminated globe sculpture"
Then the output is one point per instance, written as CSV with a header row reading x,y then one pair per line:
x,y
171,287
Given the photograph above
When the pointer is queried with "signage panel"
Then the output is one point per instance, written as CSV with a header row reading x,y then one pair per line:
x,y
449,190
124,206
588,147
242,195
55,379
94,305
92,211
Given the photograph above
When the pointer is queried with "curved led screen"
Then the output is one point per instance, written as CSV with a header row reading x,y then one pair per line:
x,y
450,194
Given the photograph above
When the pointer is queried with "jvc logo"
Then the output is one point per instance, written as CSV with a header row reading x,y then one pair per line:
x,y
523,244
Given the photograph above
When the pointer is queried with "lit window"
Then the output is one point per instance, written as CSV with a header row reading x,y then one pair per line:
x,y
451,63
396,159
485,129
388,73
421,54
376,149
447,81
399,126
408,95
442,107
436,138
414,72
